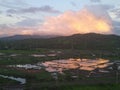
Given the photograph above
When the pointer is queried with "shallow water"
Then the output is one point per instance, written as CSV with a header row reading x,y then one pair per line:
x,y
38,55
67,64
21,80
82,64
26,66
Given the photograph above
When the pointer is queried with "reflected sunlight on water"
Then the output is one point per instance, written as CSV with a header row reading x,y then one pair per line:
x,y
67,64
82,64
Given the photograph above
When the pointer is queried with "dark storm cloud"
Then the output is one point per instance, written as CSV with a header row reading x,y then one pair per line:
x,y
47,9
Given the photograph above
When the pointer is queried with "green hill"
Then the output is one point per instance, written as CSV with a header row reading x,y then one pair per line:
x,y
90,41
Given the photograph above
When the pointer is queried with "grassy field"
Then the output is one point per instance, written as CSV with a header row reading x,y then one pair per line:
x,y
7,81
77,87
24,56
42,80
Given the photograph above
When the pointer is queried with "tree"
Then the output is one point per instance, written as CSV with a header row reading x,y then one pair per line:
x,y
115,68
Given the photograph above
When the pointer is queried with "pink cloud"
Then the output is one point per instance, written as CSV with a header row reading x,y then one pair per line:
x,y
72,22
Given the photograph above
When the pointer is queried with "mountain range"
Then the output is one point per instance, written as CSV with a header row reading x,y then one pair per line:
x,y
76,41
21,37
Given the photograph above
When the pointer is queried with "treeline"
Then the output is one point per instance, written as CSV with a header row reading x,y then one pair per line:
x,y
89,41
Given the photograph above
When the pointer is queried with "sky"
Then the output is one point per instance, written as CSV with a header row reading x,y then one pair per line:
x,y
59,17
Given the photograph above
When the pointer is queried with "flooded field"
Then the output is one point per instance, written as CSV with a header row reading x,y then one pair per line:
x,y
21,80
67,64
84,64
39,68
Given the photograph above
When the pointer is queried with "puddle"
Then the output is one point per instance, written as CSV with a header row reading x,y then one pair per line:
x,y
38,55
51,55
21,80
84,64
14,55
1,54
66,64
26,66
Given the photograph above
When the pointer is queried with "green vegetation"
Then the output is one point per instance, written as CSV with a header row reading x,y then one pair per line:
x,y
24,56
77,46
12,72
7,81
77,87
89,41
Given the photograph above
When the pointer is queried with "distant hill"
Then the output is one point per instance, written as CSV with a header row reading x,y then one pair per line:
x,y
21,37
89,41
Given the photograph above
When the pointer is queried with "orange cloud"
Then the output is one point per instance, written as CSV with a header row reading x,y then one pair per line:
x,y
68,23
72,22
27,32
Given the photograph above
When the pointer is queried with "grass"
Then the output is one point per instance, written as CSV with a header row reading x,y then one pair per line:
x,y
24,56
24,51
7,81
42,76
93,87
76,87
42,80
11,72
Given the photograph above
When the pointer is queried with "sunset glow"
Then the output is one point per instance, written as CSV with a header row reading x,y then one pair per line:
x,y
77,22
62,18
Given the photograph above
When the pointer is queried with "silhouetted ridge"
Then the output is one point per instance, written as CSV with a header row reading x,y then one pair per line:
x,y
91,41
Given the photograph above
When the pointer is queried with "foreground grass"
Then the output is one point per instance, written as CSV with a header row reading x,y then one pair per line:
x,y
24,56
77,87
7,81
36,81
97,87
